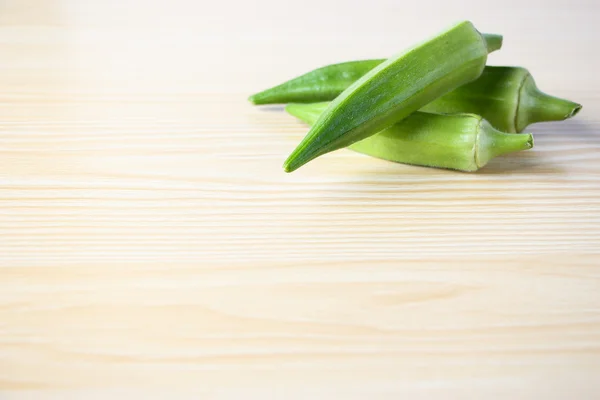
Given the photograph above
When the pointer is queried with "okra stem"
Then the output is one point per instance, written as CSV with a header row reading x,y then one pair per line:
x,y
536,106
493,42
492,143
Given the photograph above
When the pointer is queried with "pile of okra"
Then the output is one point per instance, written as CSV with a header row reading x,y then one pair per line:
x,y
436,104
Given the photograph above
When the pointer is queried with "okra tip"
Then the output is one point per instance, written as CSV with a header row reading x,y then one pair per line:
x,y
257,99
286,167
293,163
272,95
291,166
297,159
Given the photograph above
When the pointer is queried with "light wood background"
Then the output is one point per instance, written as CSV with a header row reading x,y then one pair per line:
x,y
152,247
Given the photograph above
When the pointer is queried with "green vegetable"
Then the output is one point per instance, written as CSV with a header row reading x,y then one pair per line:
x,y
505,96
508,98
533,105
464,142
395,89
322,84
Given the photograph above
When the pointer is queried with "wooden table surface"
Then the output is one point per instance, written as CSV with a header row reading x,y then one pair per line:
x,y
152,247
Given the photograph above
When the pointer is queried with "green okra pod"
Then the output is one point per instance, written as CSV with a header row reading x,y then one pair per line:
x,y
326,83
464,142
395,89
322,84
507,97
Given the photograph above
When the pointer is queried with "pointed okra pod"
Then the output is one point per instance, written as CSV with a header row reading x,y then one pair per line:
x,y
464,142
322,84
395,89
327,83
507,97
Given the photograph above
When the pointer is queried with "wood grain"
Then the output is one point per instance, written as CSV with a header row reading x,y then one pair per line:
x,y
151,245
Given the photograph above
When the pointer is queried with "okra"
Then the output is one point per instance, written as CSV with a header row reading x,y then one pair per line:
x,y
464,142
395,89
322,84
507,97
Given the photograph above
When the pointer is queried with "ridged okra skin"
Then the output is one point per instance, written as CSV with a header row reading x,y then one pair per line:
x,y
326,83
395,89
464,142
321,84
507,97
